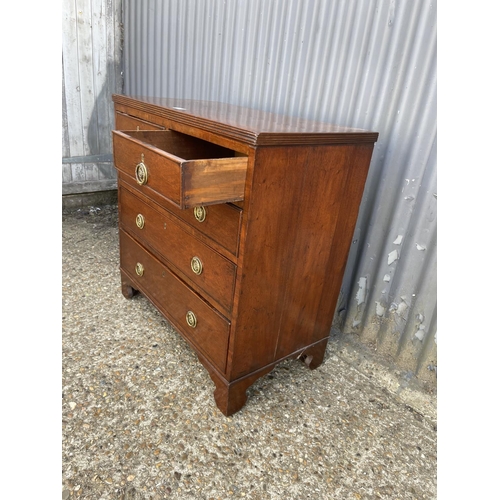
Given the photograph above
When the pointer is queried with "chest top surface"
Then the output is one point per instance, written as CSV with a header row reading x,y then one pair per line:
x,y
250,126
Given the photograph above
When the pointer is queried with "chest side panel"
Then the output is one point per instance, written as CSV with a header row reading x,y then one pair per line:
x,y
300,216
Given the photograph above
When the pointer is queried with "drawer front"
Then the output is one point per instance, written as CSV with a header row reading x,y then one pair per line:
x,y
207,271
151,170
220,223
199,323
185,170
127,122
216,223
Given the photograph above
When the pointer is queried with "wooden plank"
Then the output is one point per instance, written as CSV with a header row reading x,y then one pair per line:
x,y
66,174
65,135
71,76
89,186
77,172
91,50
85,70
100,117
91,172
114,49
107,171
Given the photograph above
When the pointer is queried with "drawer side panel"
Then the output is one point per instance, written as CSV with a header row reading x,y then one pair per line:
x,y
208,181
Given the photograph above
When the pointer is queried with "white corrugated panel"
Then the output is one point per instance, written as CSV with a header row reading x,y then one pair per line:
x,y
368,64
91,58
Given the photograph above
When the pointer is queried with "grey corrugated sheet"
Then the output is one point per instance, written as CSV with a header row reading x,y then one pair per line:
x,y
91,71
367,64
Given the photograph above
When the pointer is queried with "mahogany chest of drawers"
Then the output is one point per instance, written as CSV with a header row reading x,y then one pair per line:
x,y
236,224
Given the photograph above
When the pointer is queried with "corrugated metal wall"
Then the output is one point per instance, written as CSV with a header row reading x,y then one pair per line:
x,y
91,59
368,64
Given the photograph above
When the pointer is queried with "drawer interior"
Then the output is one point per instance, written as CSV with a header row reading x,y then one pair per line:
x,y
181,145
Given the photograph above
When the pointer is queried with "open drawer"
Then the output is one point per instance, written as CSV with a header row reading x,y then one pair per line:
x,y
185,170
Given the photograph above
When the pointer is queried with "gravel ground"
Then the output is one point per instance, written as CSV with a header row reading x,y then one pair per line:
x,y
140,422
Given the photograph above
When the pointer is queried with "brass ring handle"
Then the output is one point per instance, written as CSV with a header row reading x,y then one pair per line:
x,y
191,319
139,220
200,213
141,173
139,269
196,265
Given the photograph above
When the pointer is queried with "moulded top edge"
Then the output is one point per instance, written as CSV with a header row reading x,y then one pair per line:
x,y
251,126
